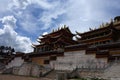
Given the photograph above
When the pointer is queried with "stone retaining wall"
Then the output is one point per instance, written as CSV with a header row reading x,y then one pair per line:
x,y
30,69
77,59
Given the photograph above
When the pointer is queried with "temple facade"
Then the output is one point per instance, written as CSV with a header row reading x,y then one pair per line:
x,y
55,40
106,33
97,45
52,45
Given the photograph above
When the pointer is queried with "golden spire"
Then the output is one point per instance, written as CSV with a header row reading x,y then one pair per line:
x,y
103,25
64,26
53,30
100,26
111,21
58,28
106,24
90,29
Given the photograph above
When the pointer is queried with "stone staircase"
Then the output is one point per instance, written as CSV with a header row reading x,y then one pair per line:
x,y
51,75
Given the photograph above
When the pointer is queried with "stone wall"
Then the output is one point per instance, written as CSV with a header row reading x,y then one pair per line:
x,y
77,59
17,61
2,67
25,69
111,72
90,74
30,69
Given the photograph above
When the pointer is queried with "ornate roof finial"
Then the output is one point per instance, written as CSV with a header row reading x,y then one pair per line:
x,y
106,24
100,26
58,28
53,30
64,26
111,21
61,27
90,29
103,25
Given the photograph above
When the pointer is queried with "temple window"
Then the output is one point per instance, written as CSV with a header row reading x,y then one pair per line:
x,y
46,62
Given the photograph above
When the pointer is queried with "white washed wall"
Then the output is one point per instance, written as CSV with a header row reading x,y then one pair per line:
x,y
78,59
17,61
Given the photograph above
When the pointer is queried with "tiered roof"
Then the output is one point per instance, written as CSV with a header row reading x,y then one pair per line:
x,y
61,36
104,33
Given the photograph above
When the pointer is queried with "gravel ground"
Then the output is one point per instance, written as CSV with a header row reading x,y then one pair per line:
x,y
13,77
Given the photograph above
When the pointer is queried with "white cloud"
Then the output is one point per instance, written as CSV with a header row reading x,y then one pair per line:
x,y
25,10
4,7
83,14
18,4
9,20
22,4
49,15
42,3
79,14
9,37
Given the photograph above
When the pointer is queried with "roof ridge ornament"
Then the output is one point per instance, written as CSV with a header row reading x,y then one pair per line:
x,y
111,21
58,28
103,25
53,30
90,29
65,26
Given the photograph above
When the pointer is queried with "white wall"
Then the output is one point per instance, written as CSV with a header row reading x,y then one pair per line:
x,y
17,61
78,59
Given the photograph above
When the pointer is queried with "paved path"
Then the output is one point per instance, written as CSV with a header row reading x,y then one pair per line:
x,y
13,77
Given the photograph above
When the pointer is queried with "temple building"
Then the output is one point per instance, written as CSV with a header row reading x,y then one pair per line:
x,y
92,49
52,45
105,34
55,40
95,48
58,47
104,41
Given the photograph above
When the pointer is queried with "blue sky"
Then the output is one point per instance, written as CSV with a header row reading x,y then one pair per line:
x,y
23,21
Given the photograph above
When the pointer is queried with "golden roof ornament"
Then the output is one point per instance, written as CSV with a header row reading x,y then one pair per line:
x,y
64,26
61,27
100,26
111,21
58,28
53,30
106,24
103,25
90,29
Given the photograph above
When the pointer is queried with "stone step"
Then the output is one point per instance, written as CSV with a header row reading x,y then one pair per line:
x,y
51,75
